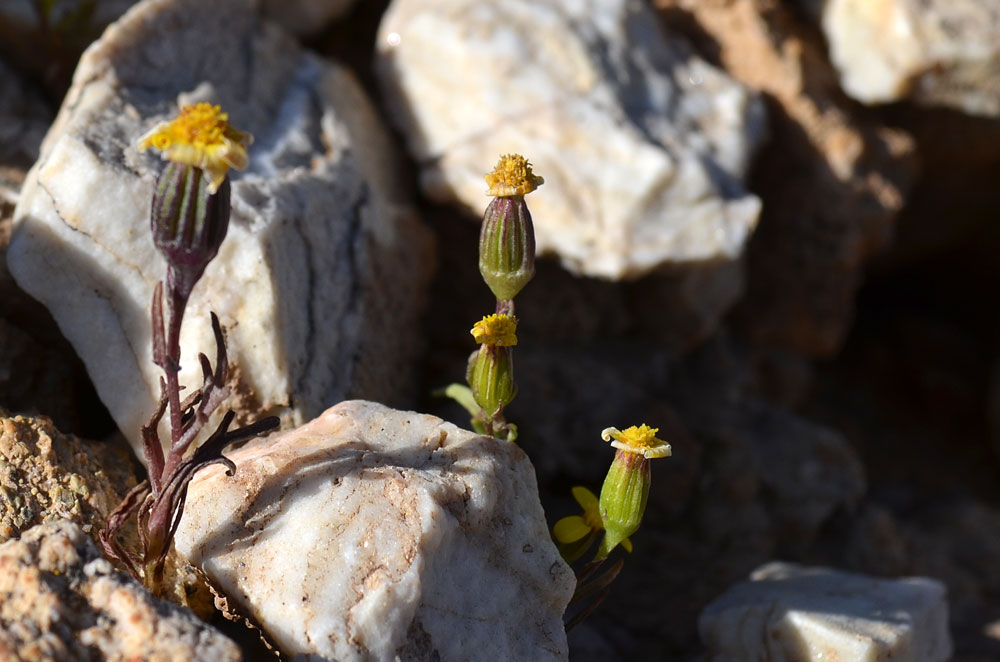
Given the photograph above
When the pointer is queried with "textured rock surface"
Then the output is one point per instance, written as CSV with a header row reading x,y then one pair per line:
x,y
643,145
45,476
790,612
370,533
323,263
934,51
831,182
61,602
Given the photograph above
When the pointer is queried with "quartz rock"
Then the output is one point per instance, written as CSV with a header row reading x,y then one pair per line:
x,y
831,180
371,533
643,145
790,612
324,262
943,52
59,600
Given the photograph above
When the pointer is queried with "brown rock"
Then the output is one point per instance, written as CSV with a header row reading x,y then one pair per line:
x,y
46,476
831,181
61,602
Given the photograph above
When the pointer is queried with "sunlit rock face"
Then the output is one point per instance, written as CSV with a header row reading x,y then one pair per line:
x,y
323,263
371,533
642,144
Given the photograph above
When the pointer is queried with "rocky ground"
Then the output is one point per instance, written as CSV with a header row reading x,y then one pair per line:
x,y
794,286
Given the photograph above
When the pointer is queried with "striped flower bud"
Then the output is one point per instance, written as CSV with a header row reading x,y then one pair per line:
x,y
507,237
492,378
626,487
188,222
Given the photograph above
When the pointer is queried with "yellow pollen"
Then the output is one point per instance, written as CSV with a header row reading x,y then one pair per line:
x,y
639,440
496,330
512,176
201,136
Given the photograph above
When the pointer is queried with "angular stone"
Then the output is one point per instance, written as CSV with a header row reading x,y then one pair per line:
x,y
46,476
831,181
643,145
790,612
59,600
371,533
944,52
324,262
789,473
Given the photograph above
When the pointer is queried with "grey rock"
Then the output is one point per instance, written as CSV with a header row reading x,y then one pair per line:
x,y
306,17
61,602
760,456
324,262
788,612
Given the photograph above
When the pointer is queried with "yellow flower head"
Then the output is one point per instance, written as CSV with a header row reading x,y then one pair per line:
x,y
512,176
496,330
201,137
639,440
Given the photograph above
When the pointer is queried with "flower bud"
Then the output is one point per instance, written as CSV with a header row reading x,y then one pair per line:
x,y
188,222
507,247
623,498
626,487
492,378
507,238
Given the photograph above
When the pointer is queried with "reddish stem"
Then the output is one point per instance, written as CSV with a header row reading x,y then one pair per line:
x,y
177,298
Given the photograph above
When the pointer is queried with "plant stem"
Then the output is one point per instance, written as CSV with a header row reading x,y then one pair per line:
x,y
177,298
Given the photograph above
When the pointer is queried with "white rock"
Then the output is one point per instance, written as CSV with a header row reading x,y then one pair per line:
x,y
371,533
323,264
936,51
796,613
643,146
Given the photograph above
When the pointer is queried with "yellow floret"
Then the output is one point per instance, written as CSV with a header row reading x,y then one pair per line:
x,y
512,176
639,440
201,136
496,330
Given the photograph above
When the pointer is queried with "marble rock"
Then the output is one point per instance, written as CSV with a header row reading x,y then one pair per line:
x,y
59,600
371,533
943,52
643,145
790,612
831,180
324,262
